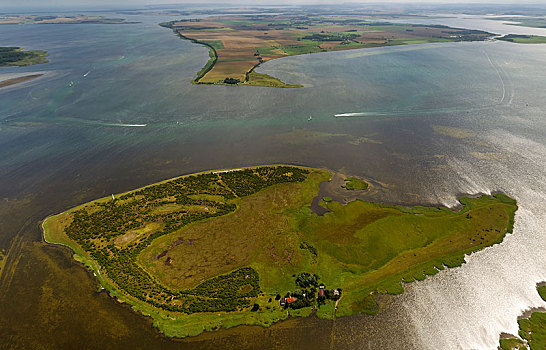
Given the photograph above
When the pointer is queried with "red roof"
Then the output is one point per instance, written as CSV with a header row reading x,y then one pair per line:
x,y
290,299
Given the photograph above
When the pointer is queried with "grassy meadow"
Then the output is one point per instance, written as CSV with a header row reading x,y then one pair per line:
x,y
219,249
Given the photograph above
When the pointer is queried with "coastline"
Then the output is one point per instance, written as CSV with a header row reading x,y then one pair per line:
x,y
213,58
19,80
177,325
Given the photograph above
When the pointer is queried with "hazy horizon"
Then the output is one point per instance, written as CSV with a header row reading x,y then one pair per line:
x,y
126,4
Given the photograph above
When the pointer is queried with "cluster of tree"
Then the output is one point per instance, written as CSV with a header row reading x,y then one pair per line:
x,y
467,34
14,54
310,292
96,227
331,37
232,81
231,285
306,246
306,280
248,181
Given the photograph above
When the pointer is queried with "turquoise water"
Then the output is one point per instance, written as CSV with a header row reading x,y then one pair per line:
x,y
116,110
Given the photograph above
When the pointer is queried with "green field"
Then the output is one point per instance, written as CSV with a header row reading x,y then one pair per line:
x,y
354,183
219,249
262,79
216,44
15,56
524,39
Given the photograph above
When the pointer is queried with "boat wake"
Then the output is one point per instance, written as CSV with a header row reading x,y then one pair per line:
x,y
127,125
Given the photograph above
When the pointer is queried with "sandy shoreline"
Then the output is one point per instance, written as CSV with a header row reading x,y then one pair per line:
x,y
18,80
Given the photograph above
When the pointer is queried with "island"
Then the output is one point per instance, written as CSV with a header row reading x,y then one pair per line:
x,y
239,43
15,56
242,246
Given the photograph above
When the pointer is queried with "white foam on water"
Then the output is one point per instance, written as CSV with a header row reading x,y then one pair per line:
x,y
468,307
341,115
128,125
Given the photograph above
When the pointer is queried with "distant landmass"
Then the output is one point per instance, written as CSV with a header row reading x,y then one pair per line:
x,y
60,19
240,43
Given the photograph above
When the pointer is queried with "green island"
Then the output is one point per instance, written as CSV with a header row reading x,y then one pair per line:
x,y
524,39
242,246
354,183
532,330
15,56
239,43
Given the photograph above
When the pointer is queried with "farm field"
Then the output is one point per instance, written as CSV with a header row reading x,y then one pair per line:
x,y
239,44
224,248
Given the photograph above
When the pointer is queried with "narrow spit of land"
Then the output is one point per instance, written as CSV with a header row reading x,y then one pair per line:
x,y
18,80
524,39
225,248
238,44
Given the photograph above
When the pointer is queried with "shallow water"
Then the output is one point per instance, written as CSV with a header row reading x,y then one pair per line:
x,y
427,122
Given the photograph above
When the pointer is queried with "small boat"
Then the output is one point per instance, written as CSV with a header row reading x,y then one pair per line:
x,y
310,118
86,74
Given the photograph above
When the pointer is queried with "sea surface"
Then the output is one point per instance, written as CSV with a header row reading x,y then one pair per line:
x,y
116,110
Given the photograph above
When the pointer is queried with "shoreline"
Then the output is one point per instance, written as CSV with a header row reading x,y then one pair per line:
x,y
19,80
248,76
180,324
212,62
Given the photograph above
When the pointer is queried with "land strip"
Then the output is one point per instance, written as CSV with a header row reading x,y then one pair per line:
x,y
524,39
18,80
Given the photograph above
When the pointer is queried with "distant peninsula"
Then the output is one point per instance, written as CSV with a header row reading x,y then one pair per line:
x,y
523,39
242,246
240,43
60,19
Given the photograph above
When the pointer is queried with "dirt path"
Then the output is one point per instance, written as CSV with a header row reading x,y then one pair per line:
x,y
332,337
